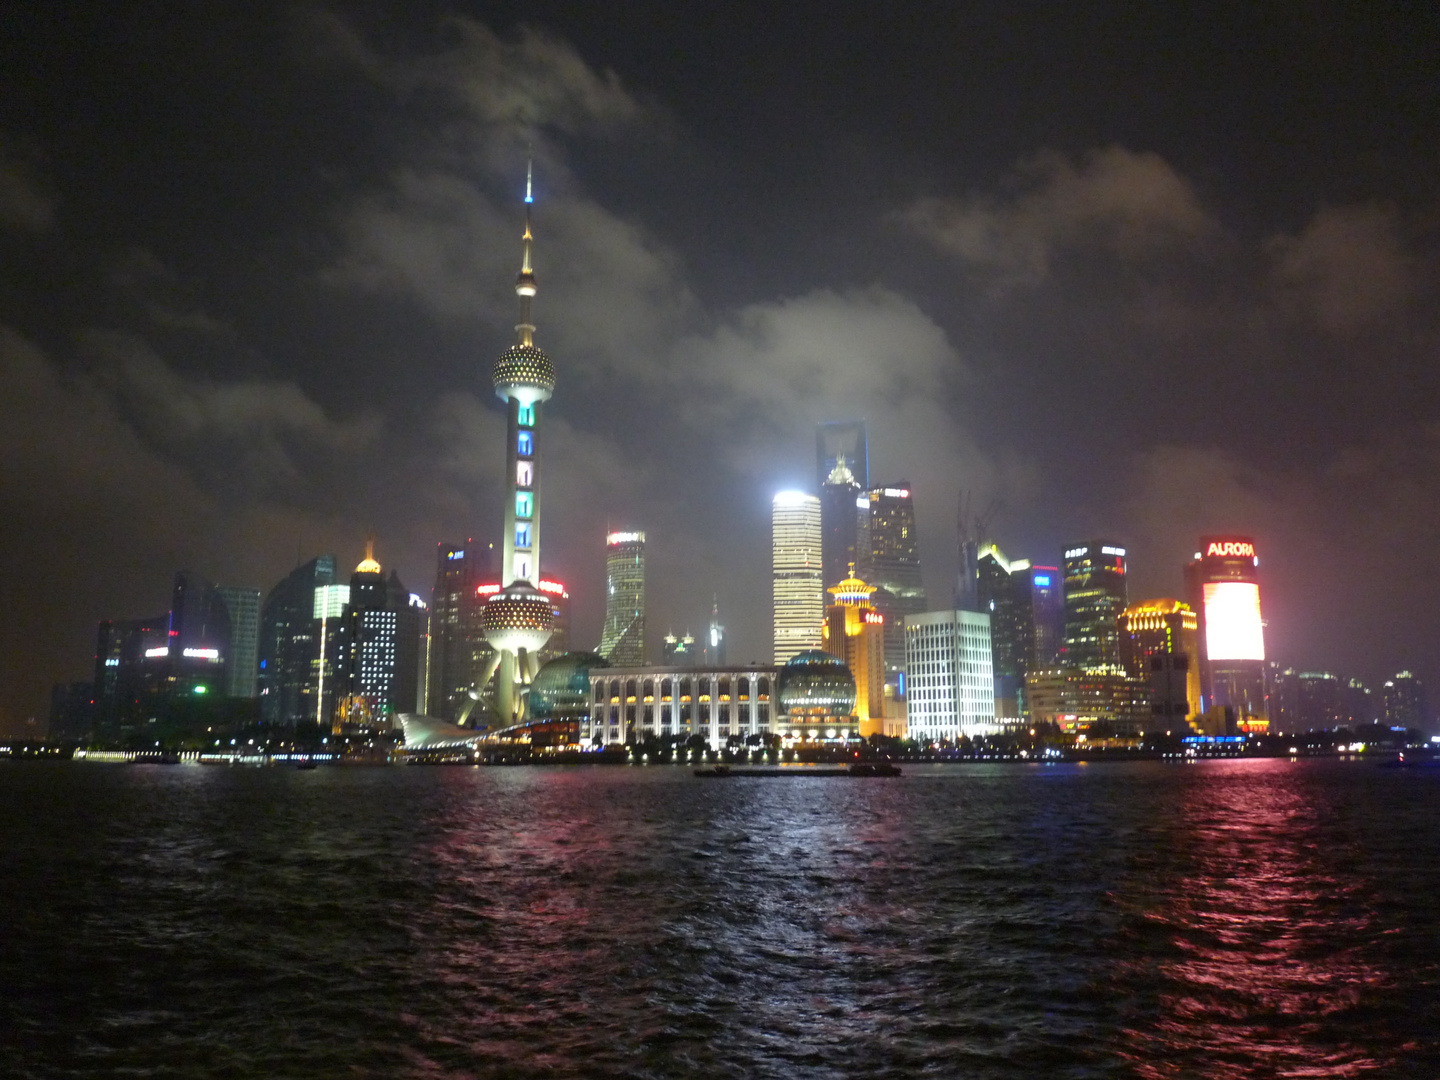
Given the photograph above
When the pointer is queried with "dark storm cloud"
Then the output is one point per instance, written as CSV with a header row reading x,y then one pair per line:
x,y
25,204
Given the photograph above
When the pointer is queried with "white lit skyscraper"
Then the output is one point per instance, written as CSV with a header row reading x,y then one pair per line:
x,y
798,585
622,642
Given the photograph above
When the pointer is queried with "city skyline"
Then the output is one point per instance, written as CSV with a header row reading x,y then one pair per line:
x,y
232,351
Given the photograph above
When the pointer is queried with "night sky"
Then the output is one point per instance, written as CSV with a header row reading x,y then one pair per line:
x,y
1118,270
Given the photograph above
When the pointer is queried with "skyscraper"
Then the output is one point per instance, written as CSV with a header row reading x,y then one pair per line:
x,y
519,618
458,649
1011,625
380,662
839,522
845,439
891,562
798,590
1094,598
950,690
623,640
1402,702
1224,589
679,651
715,637
1159,642
243,665
290,645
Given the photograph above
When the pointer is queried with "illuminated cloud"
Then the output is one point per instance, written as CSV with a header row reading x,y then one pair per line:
x,y
1133,204
1346,269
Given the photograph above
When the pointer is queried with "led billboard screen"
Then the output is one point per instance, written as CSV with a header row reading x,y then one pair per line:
x,y
1232,621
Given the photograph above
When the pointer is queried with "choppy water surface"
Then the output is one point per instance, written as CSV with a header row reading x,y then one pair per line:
x,y
1255,918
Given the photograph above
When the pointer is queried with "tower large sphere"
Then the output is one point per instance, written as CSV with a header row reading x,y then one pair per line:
x,y
817,684
518,617
525,373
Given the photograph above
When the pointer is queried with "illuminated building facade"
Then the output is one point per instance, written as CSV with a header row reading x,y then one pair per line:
x,y
855,632
290,644
1224,589
458,651
1095,595
798,588
242,667
1079,699
890,560
1305,700
129,668
1159,643
679,651
950,681
379,651
715,706
623,640
1403,704
519,618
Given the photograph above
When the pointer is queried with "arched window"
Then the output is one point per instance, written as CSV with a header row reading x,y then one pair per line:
x,y
742,687
685,686
724,690
600,691
667,689
614,688
629,688
649,688
763,685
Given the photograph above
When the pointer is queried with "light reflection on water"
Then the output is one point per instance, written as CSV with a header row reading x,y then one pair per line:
x,y
1225,919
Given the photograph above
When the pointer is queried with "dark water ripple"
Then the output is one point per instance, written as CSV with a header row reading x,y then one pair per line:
x,y
1231,919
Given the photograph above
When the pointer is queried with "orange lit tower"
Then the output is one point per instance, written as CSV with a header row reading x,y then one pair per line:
x,y
855,632
519,618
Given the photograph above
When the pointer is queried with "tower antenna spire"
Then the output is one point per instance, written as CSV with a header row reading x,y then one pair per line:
x,y
525,282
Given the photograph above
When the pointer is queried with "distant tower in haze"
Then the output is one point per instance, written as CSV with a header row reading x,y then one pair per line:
x,y
839,522
1095,595
1402,702
1224,589
715,638
891,562
847,440
623,640
518,619
799,592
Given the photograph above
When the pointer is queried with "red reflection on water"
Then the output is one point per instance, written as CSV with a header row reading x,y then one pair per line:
x,y
1263,936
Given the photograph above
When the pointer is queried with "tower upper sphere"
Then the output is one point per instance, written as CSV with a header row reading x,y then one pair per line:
x,y
525,373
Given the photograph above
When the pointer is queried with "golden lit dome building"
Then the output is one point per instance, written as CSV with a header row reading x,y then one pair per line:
x,y
855,632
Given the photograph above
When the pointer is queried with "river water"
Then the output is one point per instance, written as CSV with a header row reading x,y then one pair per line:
x,y
1221,919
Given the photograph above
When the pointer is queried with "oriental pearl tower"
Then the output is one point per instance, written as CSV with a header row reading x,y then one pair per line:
x,y
518,619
